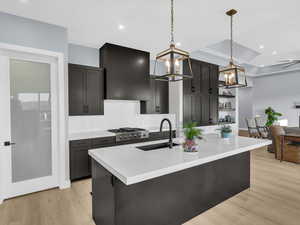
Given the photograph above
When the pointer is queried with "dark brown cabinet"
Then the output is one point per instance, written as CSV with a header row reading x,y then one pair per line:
x,y
200,94
86,90
81,164
126,72
159,102
80,161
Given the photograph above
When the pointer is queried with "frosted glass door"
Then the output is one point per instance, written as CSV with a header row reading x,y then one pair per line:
x,y
30,106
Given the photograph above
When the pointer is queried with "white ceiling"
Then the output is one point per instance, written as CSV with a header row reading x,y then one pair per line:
x,y
198,24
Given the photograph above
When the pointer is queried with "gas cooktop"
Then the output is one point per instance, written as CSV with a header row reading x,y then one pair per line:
x,y
129,134
126,129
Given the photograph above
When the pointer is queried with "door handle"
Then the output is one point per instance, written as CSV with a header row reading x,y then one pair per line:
x,y
8,143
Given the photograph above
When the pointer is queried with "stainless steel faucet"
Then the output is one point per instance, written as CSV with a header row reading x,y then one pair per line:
x,y
170,131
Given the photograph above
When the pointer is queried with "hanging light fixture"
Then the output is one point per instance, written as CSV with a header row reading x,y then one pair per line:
x,y
172,59
232,76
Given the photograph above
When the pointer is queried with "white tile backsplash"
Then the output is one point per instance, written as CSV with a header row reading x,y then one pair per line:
x,y
117,114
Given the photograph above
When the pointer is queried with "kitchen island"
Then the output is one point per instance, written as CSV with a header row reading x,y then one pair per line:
x,y
167,186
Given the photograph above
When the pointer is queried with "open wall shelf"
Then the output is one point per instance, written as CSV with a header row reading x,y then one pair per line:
x,y
226,96
226,110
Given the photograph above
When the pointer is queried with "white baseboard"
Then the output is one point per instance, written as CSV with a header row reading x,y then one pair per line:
x,y
66,184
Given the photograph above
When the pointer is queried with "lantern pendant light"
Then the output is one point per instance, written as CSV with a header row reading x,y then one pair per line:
x,y
172,59
232,76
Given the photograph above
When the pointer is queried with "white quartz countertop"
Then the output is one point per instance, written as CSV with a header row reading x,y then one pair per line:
x,y
132,165
102,133
90,134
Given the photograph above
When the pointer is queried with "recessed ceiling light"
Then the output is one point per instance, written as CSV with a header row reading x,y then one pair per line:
x,y
121,27
261,47
24,1
274,53
178,44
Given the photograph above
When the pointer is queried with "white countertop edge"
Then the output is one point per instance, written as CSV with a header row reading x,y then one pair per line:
x,y
89,135
108,168
172,169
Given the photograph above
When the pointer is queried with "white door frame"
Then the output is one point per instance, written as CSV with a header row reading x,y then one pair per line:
x,y
62,112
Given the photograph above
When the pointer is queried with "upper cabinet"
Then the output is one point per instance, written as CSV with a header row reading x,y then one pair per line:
x,y
159,102
200,94
86,90
126,72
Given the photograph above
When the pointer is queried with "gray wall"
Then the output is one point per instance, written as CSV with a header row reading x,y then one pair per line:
x,y
245,105
280,92
83,55
90,57
31,33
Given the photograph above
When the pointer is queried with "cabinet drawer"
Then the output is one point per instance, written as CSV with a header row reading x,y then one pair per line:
x,y
103,142
80,144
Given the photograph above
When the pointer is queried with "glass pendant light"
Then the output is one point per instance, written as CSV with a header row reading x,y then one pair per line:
x,y
232,76
172,59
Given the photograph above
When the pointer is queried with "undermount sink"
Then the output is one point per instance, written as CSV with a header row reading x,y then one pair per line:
x,y
155,146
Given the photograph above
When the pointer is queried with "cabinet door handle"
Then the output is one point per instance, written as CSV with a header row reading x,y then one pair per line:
x,y
8,143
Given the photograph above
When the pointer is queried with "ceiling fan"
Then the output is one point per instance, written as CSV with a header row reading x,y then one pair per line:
x,y
288,62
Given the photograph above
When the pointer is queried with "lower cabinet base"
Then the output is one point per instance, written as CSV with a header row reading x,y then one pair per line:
x,y
171,199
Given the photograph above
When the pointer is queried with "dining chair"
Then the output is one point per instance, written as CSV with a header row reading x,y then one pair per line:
x,y
262,129
252,129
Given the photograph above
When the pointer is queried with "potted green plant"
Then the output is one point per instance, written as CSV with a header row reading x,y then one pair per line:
x,y
191,133
272,116
226,131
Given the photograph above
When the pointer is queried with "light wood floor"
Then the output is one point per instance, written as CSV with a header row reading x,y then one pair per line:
x,y
273,199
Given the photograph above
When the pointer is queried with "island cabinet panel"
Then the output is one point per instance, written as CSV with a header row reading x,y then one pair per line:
x,y
159,101
126,72
103,195
171,199
86,90
200,94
